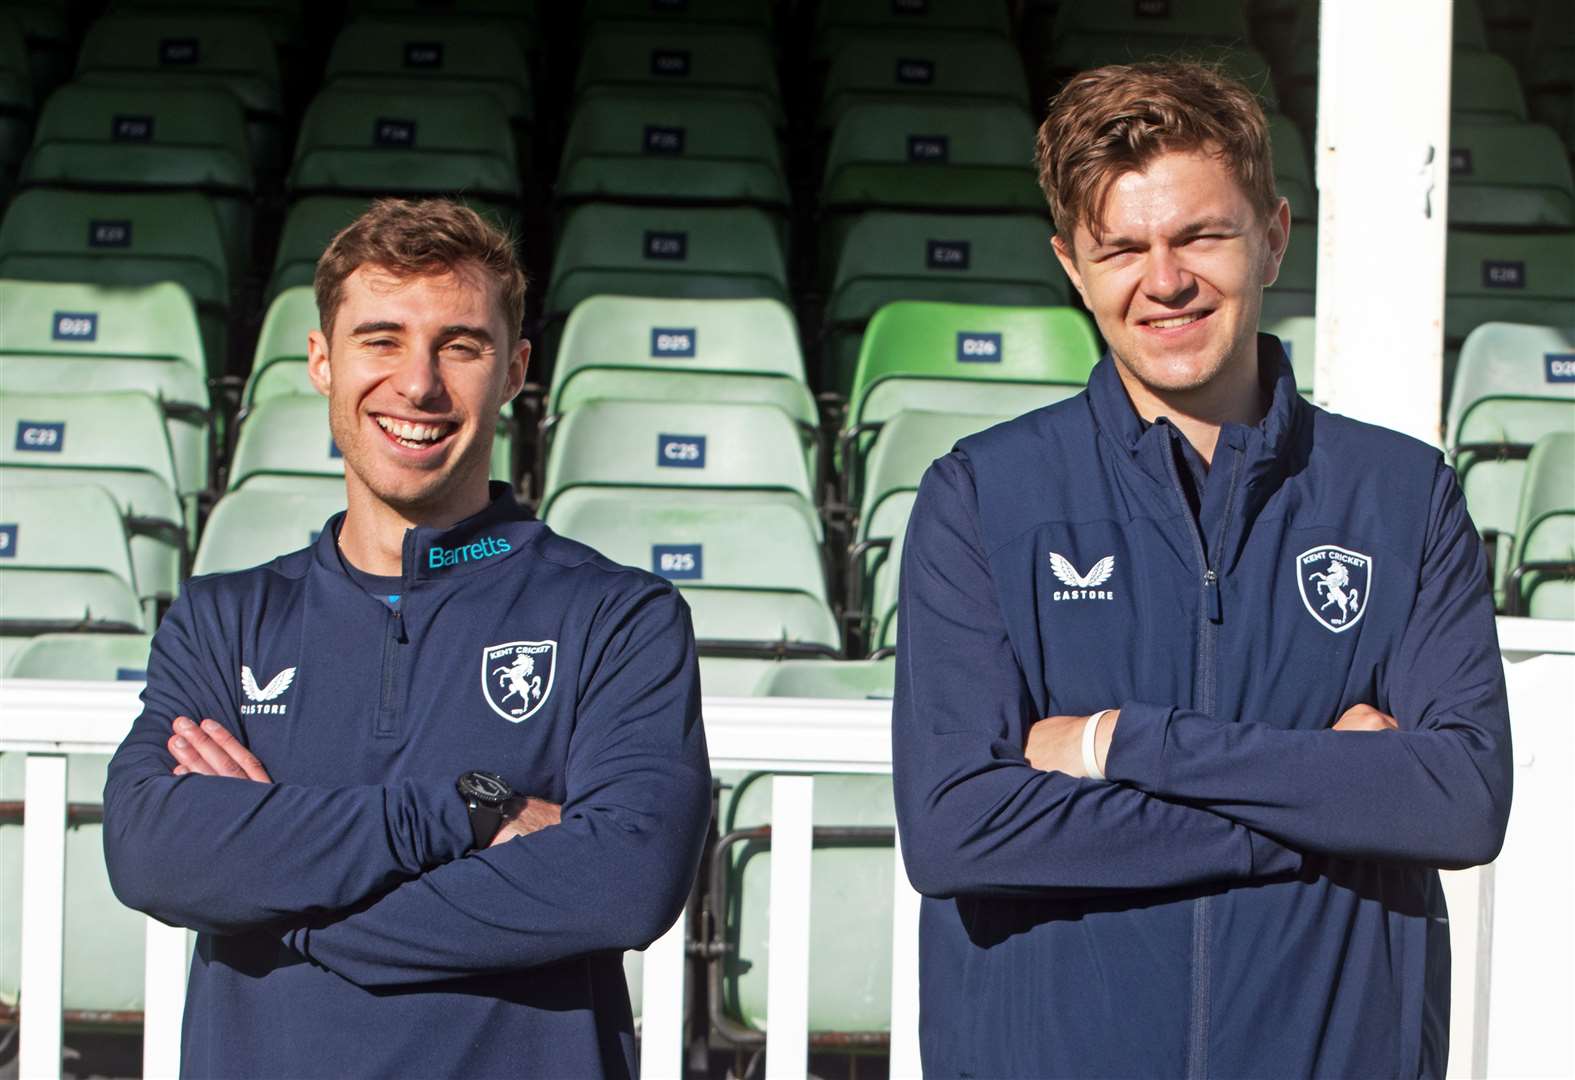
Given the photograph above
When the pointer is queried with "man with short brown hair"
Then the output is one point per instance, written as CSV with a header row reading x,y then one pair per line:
x,y
419,785
1196,682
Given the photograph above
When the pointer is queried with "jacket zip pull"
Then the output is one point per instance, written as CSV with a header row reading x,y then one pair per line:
x,y
1211,585
398,627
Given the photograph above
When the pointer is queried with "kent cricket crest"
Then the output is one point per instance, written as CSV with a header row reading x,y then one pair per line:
x,y
516,677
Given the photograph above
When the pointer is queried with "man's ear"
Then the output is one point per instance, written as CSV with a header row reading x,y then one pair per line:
x,y
1278,240
518,363
317,366
1068,258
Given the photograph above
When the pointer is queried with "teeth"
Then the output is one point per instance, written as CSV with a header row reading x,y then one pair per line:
x,y
411,434
1171,324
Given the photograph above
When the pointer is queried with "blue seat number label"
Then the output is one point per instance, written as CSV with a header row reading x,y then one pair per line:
x,y
976,348
670,63
36,435
1460,161
676,562
946,254
75,326
391,132
680,451
423,54
333,450
178,51
1560,366
924,148
663,140
116,234
131,674
673,341
131,129
8,541
913,72
1503,274
666,245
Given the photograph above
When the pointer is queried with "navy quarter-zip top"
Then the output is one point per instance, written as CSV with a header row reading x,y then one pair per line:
x,y
1248,894
345,929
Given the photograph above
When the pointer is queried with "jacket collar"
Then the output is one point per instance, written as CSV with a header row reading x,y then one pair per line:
x,y
1268,445
478,543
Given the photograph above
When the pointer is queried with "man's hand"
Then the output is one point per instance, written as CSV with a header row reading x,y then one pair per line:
x,y
527,814
1365,718
209,750
1055,744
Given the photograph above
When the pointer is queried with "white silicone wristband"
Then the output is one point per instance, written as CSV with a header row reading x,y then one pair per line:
x,y
1090,730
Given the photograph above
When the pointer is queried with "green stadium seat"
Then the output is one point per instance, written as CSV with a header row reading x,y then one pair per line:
x,y
1550,70
16,98
883,571
117,240
269,517
437,56
754,582
1240,61
931,156
755,14
1506,277
1514,385
107,657
93,339
850,904
64,565
671,149
1293,175
681,351
998,260
103,940
836,24
870,680
1197,20
971,69
47,40
1293,292
204,51
118,442
374,142
665,252
961,358
1504,173
1541,580
711,62
1484,88
279,361
309,225
150,138
691,454
286,436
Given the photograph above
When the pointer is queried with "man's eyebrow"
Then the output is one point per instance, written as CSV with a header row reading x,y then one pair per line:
x,y
376,327
458,329
1192,228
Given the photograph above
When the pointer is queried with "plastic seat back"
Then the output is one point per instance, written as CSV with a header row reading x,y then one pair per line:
x,y
1507,277
442,55
1483,87
1503,173
667,252
1542,581
681,351
101,657
279,361
671,149
413,143
1293,176
868,680
228,51
892,154
972,69
269,517
286,436
716,63
735,448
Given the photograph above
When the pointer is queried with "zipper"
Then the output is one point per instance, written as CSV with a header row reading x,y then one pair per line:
x,y
389,705
1211,613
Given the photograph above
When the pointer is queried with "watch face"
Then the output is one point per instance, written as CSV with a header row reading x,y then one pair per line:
x,y
485,787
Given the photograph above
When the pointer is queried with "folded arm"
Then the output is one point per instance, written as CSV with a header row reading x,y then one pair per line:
x,y
1436,790
975,816
612,875
205,851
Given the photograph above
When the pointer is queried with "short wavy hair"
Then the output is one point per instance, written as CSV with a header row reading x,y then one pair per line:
x,y
413,237
1114,120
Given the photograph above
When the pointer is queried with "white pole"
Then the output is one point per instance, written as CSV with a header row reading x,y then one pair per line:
x,y
164,998
905,1064
1383,168
43,915
787,983
662,1005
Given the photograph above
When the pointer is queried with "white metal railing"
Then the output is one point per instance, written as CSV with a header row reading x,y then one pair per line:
x,y
1511,923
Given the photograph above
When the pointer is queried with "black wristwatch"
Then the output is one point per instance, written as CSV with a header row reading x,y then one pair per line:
x,y
484,794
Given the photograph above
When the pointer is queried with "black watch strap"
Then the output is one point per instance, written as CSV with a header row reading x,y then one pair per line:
x,y
485,821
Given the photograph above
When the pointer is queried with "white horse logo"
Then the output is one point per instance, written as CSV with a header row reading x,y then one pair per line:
x,y
1333,584
517,677
520,677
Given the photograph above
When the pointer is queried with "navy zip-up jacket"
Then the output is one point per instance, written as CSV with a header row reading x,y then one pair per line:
x,y
1248,894
345,931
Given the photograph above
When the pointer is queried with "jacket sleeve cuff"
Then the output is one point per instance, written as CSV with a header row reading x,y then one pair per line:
x,y
1137,747
436,823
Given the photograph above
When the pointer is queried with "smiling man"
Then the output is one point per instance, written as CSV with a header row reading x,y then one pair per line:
x,y
1197,684
419,785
